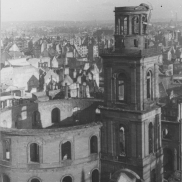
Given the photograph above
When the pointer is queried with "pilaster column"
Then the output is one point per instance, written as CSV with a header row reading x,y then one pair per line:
x,y
175,160
133,84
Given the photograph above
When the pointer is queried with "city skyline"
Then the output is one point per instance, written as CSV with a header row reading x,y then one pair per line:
x,y
80,10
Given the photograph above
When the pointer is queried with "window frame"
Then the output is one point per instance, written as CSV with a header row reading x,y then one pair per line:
x,y
92,173
61,153
124,84
151,137
125,141
92,153
67,176
34,177
4,174
59,115
135,24
149,86
29,153
4,149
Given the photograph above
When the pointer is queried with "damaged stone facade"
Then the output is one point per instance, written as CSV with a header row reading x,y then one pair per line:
x,y
55,140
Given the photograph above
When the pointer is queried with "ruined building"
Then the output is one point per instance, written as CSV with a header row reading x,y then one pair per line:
x,y
131,148
50,140
60,140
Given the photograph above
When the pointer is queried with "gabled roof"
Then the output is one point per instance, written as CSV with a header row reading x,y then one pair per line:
x,y
15,54
14,47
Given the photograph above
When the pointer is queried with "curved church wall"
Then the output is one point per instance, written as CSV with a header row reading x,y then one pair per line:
x,y
51,166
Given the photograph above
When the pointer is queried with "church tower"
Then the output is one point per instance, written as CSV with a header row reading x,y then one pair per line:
x,y
131,117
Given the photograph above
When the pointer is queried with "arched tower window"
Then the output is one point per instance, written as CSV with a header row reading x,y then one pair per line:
x,y
149,85
66,150
95,175
144,21
125,25
55,115
34,152
121,87
122,141
5,178
67,179
93,145
151,138
135,25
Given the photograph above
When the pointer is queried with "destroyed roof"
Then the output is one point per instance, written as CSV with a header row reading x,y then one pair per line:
x,y
141,7
73,63
40,96
54,131
53,93
177,90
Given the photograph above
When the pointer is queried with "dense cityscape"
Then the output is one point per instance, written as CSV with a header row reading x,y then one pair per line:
x,y
96,101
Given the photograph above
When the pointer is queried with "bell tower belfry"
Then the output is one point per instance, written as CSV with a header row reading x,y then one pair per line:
x,y
131,117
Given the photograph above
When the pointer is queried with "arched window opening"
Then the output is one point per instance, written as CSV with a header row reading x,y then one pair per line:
x,y
35,119
34,152
122,141
153,176
149,85
146,43
135,42
35,180
150,138
118,30
95,175
5,178
121,87
135,25
55,115
144,22
125,25
67,179
166,134
66,150
97,115
93,145
168,160
6,149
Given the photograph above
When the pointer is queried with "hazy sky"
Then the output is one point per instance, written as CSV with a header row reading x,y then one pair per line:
x,y
32,10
